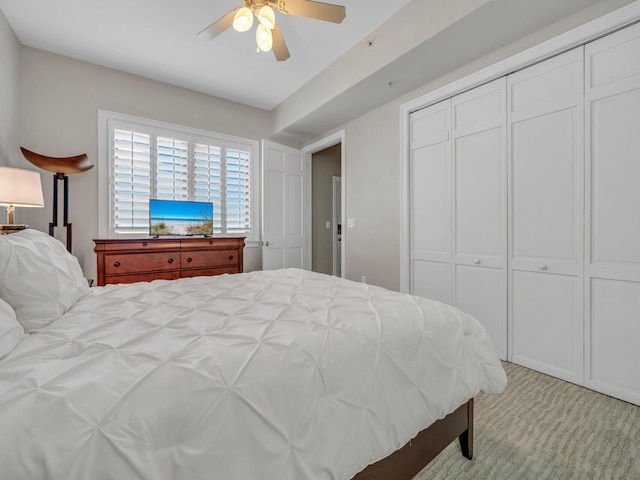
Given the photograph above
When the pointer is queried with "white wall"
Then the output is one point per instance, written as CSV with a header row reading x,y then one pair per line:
x,y
9,94
60,99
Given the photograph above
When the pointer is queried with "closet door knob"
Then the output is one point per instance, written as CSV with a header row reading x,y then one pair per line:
x,y
542,266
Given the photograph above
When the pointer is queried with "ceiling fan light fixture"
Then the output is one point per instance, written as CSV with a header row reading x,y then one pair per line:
x,y
267,17
264,38
243,20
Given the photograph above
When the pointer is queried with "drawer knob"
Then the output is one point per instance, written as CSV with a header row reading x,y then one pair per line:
x,y
477,261
189,260
170,260
542,266
116,264
230,257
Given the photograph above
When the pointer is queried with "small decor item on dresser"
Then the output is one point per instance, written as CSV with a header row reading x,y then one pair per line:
x,y
18,188
61,167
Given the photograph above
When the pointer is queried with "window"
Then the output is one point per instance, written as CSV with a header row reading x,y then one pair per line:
x,y
143,159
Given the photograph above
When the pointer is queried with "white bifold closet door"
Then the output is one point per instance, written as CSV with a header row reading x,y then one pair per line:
x,y
612,87
479,156
430,202
546,215
458,205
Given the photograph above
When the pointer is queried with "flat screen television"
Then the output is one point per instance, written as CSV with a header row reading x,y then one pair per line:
x,y
178,218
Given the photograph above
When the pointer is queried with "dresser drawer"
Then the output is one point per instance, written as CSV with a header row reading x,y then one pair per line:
x,y
208,258
140,245
199,272
141,262
143,277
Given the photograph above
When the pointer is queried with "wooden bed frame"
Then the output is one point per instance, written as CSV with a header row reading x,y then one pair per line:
x,y
406,463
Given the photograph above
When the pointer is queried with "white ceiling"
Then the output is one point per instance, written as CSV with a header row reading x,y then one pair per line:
x,y
157,39
331,77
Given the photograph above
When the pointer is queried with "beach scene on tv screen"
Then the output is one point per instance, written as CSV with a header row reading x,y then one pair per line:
x,y
170,217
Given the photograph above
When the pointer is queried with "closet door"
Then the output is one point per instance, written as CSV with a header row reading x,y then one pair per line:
x,y
430,202
545,211
480,207
612,87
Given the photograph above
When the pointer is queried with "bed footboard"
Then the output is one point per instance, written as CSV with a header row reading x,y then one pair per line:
x,y
406,463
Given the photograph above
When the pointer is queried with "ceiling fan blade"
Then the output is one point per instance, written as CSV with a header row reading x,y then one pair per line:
x,y
217,27
317,10
280,49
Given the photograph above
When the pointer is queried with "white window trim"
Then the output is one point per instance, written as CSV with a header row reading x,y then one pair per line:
x,y
105,118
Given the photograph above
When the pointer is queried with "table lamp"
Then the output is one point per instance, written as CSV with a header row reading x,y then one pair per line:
x,y
18,188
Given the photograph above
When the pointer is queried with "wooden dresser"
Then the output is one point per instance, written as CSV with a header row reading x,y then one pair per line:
x,y
146,259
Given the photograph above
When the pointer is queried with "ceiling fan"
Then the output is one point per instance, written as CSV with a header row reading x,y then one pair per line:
x,y
268,34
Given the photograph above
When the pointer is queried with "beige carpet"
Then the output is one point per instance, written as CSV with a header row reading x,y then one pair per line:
x,y
544,428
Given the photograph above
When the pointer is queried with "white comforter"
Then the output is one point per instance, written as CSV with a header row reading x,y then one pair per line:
x,y
274,375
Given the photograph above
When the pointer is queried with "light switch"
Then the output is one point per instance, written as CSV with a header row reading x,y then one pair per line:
x,y
351,223
328,224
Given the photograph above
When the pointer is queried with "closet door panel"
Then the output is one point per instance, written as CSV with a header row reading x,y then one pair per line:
x,y
615,333
479,199
432,280
612,231
482,293
544,189
480,208
430,203
615,170
546,202
545,335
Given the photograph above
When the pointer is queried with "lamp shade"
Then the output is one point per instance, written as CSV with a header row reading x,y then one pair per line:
x,y
243,20
20,188
264,38
267,17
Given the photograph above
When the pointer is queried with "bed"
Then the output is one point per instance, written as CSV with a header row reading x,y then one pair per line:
x,y
283,375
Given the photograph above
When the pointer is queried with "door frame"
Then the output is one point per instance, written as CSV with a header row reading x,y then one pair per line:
x,y
575,37
338,137
336,245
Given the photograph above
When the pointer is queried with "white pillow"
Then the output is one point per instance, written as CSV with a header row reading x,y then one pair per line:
x,y
38,277
11,331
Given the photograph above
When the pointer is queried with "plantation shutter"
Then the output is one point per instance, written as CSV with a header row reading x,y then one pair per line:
x,y
207,179
131,181
154,160
238,192
172,169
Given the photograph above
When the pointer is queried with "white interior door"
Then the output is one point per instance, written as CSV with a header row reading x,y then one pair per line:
x,y
546,215
479,154
286,207
430,203
613,214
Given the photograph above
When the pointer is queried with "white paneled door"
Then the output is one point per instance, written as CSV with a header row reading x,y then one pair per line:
x,y
480,207
458,205
286,207
546,215
430,203
612,88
